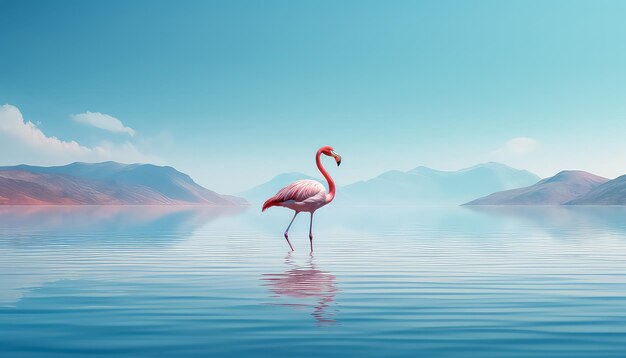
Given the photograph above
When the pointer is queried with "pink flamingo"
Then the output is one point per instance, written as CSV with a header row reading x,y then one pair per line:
x,y
306,195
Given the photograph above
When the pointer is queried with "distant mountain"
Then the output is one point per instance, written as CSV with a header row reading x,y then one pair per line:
x,y
559,189
426,186
610,193
262,192
107,183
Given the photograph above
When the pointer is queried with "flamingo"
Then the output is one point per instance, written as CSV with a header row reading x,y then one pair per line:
x,y
306,195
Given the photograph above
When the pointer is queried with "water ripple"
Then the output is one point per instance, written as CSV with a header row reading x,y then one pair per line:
x,y
382,282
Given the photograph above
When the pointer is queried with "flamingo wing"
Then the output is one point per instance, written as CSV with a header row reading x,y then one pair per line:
x,y
298,191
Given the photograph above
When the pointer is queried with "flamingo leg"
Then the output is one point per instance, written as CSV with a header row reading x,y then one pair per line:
x,y
287,231
311,232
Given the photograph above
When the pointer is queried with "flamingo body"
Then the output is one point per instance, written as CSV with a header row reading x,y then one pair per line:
x,y
306,195
302,195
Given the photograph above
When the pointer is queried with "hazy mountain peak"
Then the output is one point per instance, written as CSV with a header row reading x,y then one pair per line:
x,y
423,170
487,165
424,185
261,192
495,165
292,175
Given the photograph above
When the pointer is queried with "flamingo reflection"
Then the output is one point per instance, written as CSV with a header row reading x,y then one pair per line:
x,y
305,283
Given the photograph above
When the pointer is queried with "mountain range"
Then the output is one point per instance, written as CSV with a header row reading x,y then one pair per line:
x,y
420,186
570,187
112,183
107,183
563,188
426,186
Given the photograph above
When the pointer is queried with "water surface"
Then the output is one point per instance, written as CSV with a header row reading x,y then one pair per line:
x,y
140,281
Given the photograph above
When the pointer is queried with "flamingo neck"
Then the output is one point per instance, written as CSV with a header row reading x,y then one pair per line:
x,y
331,184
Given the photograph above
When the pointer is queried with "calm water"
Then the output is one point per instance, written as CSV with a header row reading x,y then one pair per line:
x,y
382,281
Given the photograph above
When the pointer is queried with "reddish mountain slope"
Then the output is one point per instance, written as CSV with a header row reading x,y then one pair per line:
x,y
559,189
104,184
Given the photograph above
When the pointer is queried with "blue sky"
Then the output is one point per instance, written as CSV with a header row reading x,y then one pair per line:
x,y
235,92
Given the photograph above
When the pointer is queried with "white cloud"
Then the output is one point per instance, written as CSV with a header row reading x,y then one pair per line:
x,y
103,121
22,141
518,146
522,153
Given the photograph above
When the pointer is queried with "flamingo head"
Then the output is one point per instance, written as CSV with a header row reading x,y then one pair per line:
x,y
329,151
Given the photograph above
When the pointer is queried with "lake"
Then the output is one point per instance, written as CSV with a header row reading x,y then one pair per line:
x,y
383,281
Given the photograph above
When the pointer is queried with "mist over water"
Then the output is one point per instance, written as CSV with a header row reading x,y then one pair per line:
x,y
392,281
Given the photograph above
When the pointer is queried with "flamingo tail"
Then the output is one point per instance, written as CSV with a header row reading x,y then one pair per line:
x,y
269,203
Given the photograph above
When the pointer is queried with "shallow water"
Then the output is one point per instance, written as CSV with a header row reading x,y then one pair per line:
x,y
382,281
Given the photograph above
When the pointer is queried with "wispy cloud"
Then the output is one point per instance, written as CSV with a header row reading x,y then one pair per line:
x,y
103,121
23,141
517,147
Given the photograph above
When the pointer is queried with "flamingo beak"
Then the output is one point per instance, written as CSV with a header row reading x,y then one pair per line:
x,y
337,158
